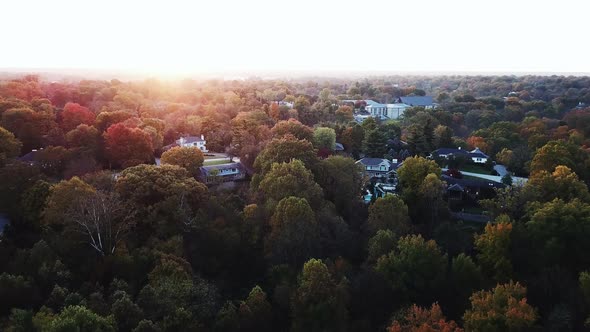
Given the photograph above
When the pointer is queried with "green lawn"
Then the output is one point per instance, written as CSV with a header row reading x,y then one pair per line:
x,y
473,168
215,162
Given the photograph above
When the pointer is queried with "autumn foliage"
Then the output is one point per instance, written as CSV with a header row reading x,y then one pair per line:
x,y
504,308
127,146
74,114
419,319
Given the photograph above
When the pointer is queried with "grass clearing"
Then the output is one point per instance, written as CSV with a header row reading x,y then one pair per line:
x,y
472,168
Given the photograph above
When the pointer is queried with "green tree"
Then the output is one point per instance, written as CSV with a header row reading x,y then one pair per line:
x,y
443,137
294,232
324,138
9,146
561,183
382,243
78,318
318,303
126,313
465,278
560,229
64,196
342,180
375,144
504,308
556,153
283,150
494,249
85,137
389,213
190,158
292,127
146,326
148,185
255,312
415,169
290,179
416,268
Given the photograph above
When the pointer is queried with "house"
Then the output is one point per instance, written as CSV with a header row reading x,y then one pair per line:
x,y
193,141
29,158
476,155
475,188
285,103
338,147
222,173
385,111
383,189
395,111
422,101
376,167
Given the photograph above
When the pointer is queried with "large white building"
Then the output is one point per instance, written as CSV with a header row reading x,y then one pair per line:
x,y
193,141
385,111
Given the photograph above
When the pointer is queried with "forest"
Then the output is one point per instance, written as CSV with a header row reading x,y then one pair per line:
x,y
107,228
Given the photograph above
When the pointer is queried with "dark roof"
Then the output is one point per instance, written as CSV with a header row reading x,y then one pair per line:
x,y
455,187
417,100
29,157
478,155
371,161
449,151
169,146
472,183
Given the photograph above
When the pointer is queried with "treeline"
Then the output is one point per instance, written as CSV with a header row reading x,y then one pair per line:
x,y
101,239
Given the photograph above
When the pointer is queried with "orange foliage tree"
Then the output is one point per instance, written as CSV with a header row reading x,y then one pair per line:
x,y
419,319
478,142
504,308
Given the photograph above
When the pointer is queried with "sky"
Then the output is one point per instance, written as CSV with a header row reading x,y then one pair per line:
x,y
175,37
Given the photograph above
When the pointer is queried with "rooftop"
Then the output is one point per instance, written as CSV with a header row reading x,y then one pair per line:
x,y
372,161
417,100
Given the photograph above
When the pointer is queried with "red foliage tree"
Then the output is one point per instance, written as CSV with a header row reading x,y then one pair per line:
x,y
75,114
126,146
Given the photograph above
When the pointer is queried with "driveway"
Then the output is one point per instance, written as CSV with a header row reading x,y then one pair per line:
x,y
501,169
515,179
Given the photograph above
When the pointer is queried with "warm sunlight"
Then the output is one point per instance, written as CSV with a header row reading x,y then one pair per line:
x,y
294,165
182,37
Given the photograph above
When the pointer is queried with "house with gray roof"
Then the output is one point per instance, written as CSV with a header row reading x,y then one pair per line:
x,y
376,167
222,173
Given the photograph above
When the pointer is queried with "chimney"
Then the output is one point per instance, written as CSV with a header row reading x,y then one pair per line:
x,y
203,137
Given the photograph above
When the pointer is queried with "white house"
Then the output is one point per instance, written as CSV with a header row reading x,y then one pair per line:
x,y
193,141
375,167
395,111
385,111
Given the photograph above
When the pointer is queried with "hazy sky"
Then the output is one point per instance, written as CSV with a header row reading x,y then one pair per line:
x,y
298,35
